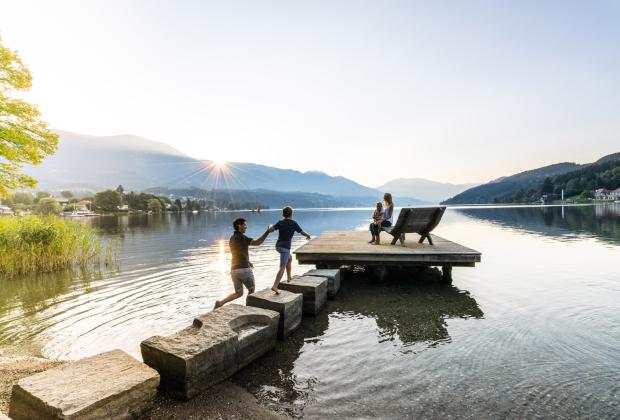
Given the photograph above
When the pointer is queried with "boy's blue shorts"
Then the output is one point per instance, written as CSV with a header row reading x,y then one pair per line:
x,y
285,253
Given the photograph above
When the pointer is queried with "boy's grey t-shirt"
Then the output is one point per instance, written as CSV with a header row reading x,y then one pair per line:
x,y
286,229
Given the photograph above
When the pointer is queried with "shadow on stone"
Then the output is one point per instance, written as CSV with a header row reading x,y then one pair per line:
x,y
216,345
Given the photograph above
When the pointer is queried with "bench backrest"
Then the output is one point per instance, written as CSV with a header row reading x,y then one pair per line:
x,y
420,220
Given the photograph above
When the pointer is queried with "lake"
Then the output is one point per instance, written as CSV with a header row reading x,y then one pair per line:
x,y
533,330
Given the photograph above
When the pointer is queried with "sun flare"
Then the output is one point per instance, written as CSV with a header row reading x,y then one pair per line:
x,y
219,163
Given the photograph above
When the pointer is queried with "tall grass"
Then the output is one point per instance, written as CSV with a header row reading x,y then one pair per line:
x,y
47,243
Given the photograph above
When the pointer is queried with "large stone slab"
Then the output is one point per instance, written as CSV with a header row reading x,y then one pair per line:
x,y
314,290
108,385
288,304
333,280
216,345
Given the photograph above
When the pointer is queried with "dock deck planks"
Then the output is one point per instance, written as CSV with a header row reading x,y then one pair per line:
x,y
352,247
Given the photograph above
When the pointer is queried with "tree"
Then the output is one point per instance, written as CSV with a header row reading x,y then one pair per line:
x,y
154,205
40,195
108,200
120,190
23,198
547,186
24,136
66,194
177,202
48,206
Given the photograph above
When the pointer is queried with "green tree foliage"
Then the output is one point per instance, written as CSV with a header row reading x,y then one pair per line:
x,y
20,198
48,206
66,194
24,136
108,200
141,201
547,186
154,205
40,195
584,181
179,205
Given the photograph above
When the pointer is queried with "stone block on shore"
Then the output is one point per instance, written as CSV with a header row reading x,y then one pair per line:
x,y
108,385
289,305
333,280
217,345
314,290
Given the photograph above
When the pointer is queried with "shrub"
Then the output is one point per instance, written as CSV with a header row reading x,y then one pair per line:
x,y
46,243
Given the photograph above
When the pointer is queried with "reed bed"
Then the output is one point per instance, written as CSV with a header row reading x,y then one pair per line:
x,y
40,244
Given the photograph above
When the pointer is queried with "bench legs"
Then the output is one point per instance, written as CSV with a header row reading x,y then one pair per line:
x,y
400,237
425,236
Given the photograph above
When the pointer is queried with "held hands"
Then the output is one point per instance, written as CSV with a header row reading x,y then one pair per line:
x,y
271,229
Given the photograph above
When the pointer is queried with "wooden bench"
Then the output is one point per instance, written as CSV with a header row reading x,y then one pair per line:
x,y
420,220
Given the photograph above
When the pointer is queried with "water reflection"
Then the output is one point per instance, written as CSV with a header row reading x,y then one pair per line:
x,y
549,292
563,222
404,315
23,299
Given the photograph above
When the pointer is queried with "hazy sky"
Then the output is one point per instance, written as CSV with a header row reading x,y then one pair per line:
x,y
457,91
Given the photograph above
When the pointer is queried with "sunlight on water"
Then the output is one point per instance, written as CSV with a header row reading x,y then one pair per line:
x,y
534,329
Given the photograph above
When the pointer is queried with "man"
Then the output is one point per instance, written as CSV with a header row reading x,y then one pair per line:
x,y
241,267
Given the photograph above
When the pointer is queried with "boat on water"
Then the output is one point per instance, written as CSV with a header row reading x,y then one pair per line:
x,y
80,213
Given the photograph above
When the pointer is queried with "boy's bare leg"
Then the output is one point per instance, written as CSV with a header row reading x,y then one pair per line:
x,y
288,269
227,299
278,278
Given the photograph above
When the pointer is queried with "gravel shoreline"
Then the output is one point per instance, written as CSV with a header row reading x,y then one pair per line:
x,y
223,401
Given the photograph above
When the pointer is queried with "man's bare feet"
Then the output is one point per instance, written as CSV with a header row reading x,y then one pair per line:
x,y
275,291
288,280
217,304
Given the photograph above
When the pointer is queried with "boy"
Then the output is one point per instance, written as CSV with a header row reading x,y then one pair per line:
x,y
287,228
241,267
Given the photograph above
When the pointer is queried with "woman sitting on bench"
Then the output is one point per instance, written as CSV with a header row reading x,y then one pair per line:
x,y
386,220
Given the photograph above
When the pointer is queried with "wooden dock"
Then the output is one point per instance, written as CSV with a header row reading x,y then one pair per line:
x,y
335,248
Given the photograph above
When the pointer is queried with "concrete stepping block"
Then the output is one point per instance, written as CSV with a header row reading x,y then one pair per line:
x,y
333,280
314,290
108,385
217,345
288,304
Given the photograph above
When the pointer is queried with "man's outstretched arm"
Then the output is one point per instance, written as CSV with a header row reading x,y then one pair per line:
x,y
260,239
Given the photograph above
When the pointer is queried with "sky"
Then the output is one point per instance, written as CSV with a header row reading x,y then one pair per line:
x,y
453,91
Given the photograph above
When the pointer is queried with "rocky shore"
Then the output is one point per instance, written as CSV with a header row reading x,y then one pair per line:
x,y
12,369
223,401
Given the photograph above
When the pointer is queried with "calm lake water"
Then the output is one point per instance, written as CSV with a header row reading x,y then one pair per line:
x,y
533,330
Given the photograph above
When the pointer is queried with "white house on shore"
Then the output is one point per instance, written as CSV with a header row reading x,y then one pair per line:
x,y
6,211
605,194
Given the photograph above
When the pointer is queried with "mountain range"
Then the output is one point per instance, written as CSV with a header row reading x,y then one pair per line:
x,y
94,163
431,191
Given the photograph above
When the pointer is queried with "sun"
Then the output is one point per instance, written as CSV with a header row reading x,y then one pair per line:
x,y
219,163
